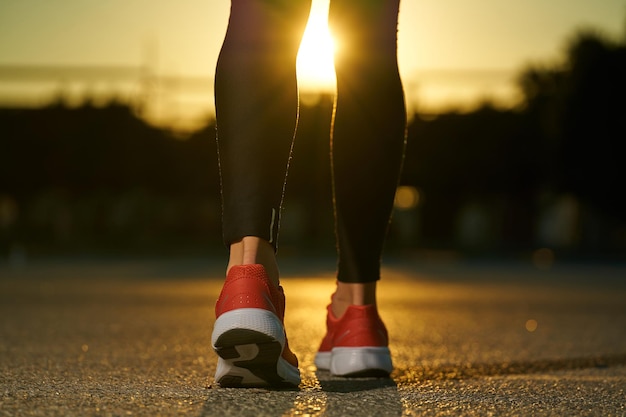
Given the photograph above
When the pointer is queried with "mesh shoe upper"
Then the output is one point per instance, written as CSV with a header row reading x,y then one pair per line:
x,y
359,326
248,286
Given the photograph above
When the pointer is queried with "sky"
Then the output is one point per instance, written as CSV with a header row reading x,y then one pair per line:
x,y
451,52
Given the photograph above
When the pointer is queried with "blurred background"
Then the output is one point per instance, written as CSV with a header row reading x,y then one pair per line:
x,y
516,137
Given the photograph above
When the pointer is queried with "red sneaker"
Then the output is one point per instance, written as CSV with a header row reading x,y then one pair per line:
x,y
356,344
249,334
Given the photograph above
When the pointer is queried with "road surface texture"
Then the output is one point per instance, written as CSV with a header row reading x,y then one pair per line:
x,y
132,338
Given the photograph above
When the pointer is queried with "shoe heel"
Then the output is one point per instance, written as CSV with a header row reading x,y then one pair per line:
x,y
257,321
361,362
251,364
249,343
257,364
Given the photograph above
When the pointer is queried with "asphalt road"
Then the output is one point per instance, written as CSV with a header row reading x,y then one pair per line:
x,y
120,338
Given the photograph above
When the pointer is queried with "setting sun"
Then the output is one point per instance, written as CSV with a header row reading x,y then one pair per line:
x,y
315,58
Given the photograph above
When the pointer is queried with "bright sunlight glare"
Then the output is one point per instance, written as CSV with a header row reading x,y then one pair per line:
x,y
315,57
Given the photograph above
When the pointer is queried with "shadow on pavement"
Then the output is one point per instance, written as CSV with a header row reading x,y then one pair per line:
x,y
345,385
470,371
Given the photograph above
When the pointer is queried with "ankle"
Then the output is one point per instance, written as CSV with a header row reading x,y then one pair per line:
x,y
254,250
348,294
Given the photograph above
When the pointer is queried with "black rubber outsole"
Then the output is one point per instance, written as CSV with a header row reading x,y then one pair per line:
x,y
263,365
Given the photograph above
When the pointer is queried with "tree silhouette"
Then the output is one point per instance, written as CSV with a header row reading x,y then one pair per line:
x,y
87,175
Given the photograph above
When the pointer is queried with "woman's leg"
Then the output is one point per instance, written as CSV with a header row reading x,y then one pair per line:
x,y
256,105
368,141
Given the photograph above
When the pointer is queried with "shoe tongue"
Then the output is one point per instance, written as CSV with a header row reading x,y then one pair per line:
x,y
256,270
250,270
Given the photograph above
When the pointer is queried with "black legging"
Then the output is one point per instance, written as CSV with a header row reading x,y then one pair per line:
x,y
256,106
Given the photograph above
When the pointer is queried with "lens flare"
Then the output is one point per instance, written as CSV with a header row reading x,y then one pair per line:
x,y
315,65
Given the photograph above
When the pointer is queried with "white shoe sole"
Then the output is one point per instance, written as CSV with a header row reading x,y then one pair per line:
x,y
356,361
249,343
